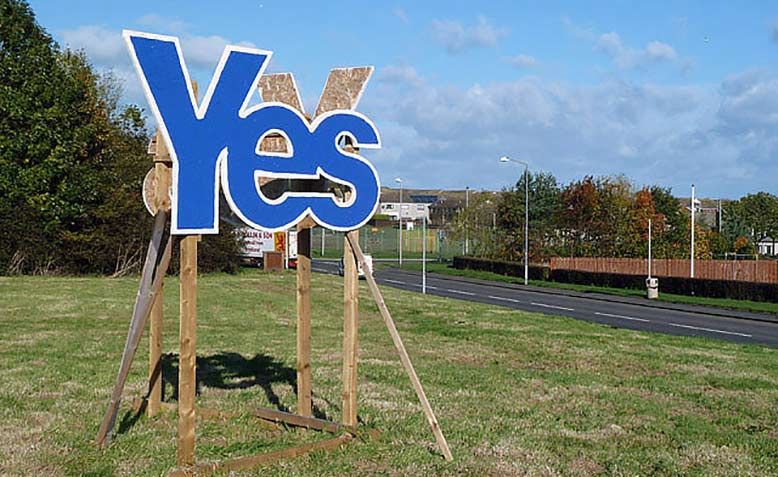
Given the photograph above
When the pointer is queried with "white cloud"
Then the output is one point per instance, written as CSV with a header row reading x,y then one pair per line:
x,y
627,151
204,51
626,57
457,38
104,47
399,12
399,74
165,24
724,138
521,61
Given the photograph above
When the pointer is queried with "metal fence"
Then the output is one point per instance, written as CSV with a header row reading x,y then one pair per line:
x,y
384,243
763,271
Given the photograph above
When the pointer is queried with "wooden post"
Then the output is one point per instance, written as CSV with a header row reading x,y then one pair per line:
x,y
187,356
350,326
162,167
154,269
304,400
398,343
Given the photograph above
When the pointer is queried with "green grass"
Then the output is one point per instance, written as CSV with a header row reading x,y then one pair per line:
x,y
516,393
744,305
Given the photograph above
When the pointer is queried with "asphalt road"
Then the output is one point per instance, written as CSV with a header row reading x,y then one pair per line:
x,y
685,321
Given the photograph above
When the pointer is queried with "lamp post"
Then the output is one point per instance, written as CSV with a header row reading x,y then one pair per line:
x,y
526,213
400,181
424,256
467,219
691,256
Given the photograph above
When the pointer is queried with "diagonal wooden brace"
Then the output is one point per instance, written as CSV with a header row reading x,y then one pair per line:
x,y
154,271
398,343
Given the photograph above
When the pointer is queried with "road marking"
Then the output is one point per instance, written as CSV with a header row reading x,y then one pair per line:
x,y
430,287
461,292
709,329
394,281
545,305
622,317
320,270
503,299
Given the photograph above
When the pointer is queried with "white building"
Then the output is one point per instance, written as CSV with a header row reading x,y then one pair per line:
x,y
410,210
767,246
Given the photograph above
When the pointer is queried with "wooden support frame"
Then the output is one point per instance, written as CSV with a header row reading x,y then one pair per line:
x,y
350,82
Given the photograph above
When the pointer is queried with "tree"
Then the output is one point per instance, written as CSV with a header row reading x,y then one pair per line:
x,y
475,223
72,161
544,204
674,240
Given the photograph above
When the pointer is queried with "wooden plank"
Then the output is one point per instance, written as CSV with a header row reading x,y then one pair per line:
x,y
262,459
162,172
307,422
304,384
398,343
350,327
343,89
280,88
155,354
154,270
187,354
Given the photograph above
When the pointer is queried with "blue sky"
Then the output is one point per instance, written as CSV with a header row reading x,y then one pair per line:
x,y
668,93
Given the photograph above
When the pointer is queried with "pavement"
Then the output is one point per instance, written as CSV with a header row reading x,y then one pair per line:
x,y
621,312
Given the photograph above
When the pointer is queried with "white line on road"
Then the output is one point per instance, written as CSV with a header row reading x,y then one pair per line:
x,y
709,329
461,292
394,281
503,299
622,317
545,305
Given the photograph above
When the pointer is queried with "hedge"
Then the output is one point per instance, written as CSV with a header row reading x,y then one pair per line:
x,y
766,292
511,269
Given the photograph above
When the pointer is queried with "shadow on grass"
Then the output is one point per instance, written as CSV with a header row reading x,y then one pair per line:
x,y
227,370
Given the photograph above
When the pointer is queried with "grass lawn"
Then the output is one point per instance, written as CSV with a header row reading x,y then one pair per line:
x,y
516,393
745,305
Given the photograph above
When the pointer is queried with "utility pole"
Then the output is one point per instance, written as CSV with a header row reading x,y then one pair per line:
x,y
691,257
467,219
649,248
526,214
400,181
424,256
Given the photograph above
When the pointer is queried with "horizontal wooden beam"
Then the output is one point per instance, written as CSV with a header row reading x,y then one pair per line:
x,y
301,421
261,459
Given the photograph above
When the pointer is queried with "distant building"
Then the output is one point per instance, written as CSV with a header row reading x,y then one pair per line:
x,y
767,246
409,210
443,211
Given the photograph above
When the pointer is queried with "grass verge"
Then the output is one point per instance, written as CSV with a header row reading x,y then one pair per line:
x,y
516,393
744,305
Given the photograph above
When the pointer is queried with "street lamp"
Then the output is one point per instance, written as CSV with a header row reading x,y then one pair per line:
x,y
467,219
526,213
400,181
694,204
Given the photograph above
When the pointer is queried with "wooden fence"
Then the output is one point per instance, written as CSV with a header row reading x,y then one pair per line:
x,y
763,271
